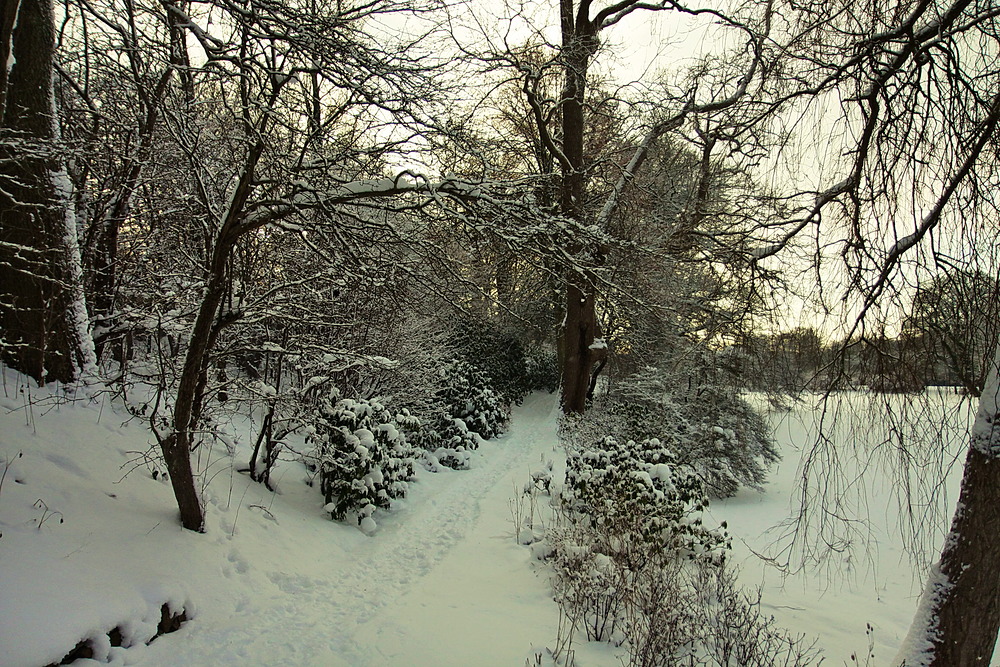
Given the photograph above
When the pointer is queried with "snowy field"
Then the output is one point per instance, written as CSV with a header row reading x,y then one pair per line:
x,y
858,595
90,542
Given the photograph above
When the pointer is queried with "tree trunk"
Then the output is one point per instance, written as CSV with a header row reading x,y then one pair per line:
x,y
42,308
959,614
176,445
578,357
579,45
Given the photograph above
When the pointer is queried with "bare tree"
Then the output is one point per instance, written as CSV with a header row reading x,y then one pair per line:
x,y
283,132
563,124
914,114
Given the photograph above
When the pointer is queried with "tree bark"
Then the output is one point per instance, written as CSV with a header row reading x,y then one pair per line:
x,y
959,614
42,308
579,37
8,19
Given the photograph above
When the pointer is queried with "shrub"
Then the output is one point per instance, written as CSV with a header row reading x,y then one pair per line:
x,y
622,576
715,432
447,441
363,458
496,354
733,630
471,398
541,370
469,411
639,486
707,427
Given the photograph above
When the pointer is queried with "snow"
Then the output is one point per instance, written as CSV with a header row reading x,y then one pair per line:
x,y
873,581
9,46
90,541
986,430
273,580
915,648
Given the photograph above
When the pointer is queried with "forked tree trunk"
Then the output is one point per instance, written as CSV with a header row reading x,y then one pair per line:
x,y
959,614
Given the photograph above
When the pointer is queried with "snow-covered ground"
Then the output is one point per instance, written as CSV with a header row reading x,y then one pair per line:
x,y
866,588
90,542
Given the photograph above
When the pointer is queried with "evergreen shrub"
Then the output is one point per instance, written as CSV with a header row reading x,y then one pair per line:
x,y
362,454
642,485
470,411
707,426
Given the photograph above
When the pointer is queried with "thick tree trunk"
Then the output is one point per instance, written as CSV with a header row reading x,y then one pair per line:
x,y
43,317
579,45
578,357
959,615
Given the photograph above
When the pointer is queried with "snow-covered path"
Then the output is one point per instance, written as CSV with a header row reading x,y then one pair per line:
x,y
436,585
480,603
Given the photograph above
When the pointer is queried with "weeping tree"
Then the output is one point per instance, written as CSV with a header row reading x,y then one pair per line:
x,y
914,106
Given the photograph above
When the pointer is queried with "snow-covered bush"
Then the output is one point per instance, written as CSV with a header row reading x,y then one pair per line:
x,y
512,368
642,572
470,396
640,487
446,441
496,354
362,457
628,525
469,410
707,426
541,370
711,429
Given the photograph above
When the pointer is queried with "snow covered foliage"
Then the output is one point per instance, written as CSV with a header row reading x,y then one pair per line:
x,y
471,397
541,369
362,458
634,565
706,426
469,410
495,354
513,367
640,487
447,441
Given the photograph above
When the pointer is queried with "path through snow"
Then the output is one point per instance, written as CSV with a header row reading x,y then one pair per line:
x,y
441,583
